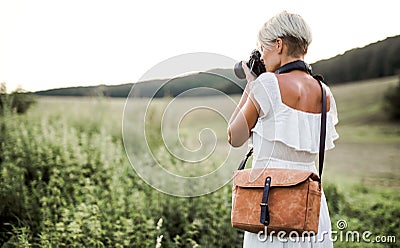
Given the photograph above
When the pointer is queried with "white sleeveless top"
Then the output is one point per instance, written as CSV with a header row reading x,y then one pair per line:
x,y
288,138
284,133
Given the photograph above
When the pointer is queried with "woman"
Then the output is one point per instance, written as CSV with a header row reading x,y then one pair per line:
x,y
281,113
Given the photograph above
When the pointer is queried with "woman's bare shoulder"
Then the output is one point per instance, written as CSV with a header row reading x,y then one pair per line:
x,y
301,91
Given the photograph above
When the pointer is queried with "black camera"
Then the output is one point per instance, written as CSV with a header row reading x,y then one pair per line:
x,y
255,64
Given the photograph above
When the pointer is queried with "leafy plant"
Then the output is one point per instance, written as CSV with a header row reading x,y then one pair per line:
x,y
18,101
392,101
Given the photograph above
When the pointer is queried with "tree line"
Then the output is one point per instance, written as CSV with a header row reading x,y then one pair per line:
x,y
376,60
380,59
221,80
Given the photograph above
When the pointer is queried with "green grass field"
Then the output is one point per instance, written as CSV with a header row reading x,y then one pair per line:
x,y
367,150
66,180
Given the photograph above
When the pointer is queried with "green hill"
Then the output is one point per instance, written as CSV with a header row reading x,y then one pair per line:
x,y
377,60
380,59
222,80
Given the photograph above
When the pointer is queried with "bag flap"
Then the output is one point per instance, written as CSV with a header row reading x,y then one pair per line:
x,y
255,178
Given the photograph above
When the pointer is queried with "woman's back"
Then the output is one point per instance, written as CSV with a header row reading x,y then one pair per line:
x,y
289,131
299,90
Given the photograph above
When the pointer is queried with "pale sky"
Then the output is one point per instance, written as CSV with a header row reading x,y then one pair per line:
x,y
48,44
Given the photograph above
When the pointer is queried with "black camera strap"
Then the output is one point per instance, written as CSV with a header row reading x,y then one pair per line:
x,y
295,65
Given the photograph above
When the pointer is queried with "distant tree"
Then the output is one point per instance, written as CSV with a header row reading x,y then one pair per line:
x,y
392,101
18,101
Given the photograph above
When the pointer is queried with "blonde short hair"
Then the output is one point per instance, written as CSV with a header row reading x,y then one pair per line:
x,y
291,28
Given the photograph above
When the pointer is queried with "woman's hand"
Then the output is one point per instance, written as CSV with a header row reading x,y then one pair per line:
x,y
245,115
250,76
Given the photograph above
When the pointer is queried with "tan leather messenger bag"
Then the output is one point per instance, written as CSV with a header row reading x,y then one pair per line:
x,y
279,199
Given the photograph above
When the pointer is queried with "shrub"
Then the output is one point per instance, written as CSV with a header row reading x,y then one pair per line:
x,y
392,101
18,101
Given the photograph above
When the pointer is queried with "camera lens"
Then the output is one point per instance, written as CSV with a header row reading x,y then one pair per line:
x,y
239,72
255,65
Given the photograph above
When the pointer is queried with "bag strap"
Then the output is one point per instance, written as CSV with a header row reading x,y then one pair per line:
x,y
244,161
264,213
322,136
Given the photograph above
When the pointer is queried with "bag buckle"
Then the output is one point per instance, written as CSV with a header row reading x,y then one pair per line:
x,y
264,219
